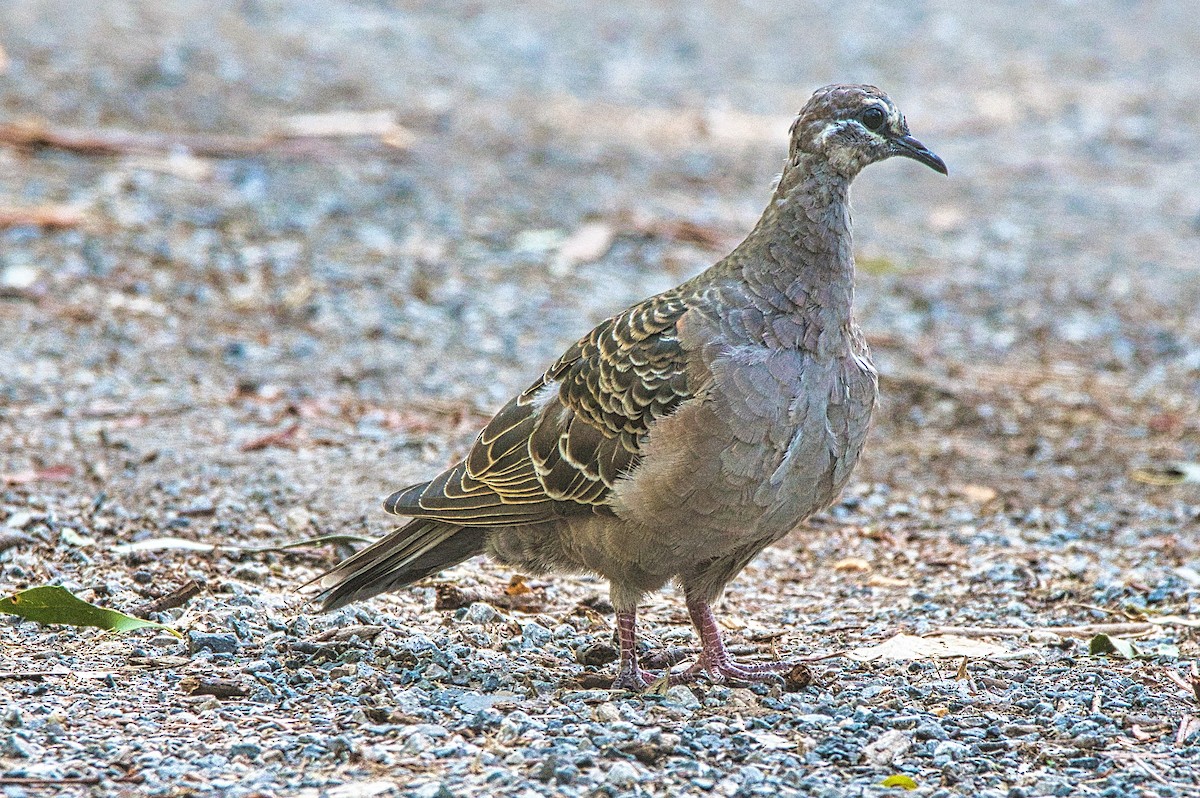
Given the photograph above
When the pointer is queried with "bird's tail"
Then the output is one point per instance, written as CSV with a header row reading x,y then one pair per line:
x,y
416,550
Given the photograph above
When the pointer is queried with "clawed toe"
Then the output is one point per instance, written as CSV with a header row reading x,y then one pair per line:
x,y
640,680
747,673
714,663
634,680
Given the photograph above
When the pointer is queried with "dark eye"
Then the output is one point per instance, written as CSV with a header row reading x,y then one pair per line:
x,y
873,118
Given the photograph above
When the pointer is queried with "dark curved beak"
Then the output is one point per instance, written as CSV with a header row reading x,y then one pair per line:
x,y
911,148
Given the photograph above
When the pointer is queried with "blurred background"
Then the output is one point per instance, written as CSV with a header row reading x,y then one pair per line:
x,y
388,215
264,261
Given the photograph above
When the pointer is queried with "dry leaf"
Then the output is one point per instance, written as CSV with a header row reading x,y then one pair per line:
x,y
977,494
771,741
887,747
1175,474
517,587
587,244
852,564
911,647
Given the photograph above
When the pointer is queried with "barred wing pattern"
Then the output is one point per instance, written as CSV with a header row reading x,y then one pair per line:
x,y
559,447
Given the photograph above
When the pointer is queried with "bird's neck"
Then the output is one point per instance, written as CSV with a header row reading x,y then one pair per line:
x,y
802,271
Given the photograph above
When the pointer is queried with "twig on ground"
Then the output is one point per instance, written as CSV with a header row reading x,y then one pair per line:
x,y
28,781
1190,685
50,217
296,140
32,674
176,598
284,437
1184,730
58,473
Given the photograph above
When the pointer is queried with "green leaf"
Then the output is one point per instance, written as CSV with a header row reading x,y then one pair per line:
x,y
51,604
899,780
1103,645
878,266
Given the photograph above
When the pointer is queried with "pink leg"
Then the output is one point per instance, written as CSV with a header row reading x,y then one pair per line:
x,y
714,658
630,675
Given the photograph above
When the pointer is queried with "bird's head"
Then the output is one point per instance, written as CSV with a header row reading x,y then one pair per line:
x,y
851,126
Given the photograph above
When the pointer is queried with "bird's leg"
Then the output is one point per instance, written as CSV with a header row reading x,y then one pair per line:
x,y
714,658
630,675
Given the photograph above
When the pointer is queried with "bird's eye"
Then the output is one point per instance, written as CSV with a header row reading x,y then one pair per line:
x,y
873,118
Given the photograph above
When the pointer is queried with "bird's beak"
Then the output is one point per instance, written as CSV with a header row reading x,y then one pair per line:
x,y
911,148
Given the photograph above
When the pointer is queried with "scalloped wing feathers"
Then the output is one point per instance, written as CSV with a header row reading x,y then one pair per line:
x,y
559,448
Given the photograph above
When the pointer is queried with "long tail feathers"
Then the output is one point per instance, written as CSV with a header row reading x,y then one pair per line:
x,y
418,549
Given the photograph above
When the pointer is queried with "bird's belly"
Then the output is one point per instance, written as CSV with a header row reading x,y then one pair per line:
x,y
775,442
828,421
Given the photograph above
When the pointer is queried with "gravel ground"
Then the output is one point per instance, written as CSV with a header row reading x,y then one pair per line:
x,y
256,350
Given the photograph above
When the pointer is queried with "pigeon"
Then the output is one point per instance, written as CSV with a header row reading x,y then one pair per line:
x,y
682,436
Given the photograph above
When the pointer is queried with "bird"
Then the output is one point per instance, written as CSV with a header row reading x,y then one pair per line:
x,y
685,434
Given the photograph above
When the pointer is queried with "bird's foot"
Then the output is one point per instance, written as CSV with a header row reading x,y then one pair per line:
x,y
784,673
634,679
724,669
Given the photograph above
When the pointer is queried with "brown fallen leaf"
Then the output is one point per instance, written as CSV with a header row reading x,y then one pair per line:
x,y
798,678
852,564
1166,423
517,587
1187,724
11,538
451,597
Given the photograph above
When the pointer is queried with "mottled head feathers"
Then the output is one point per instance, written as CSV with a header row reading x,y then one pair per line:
x,y
850,126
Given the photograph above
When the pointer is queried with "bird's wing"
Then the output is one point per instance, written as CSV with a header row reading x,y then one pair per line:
x,y
559,447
